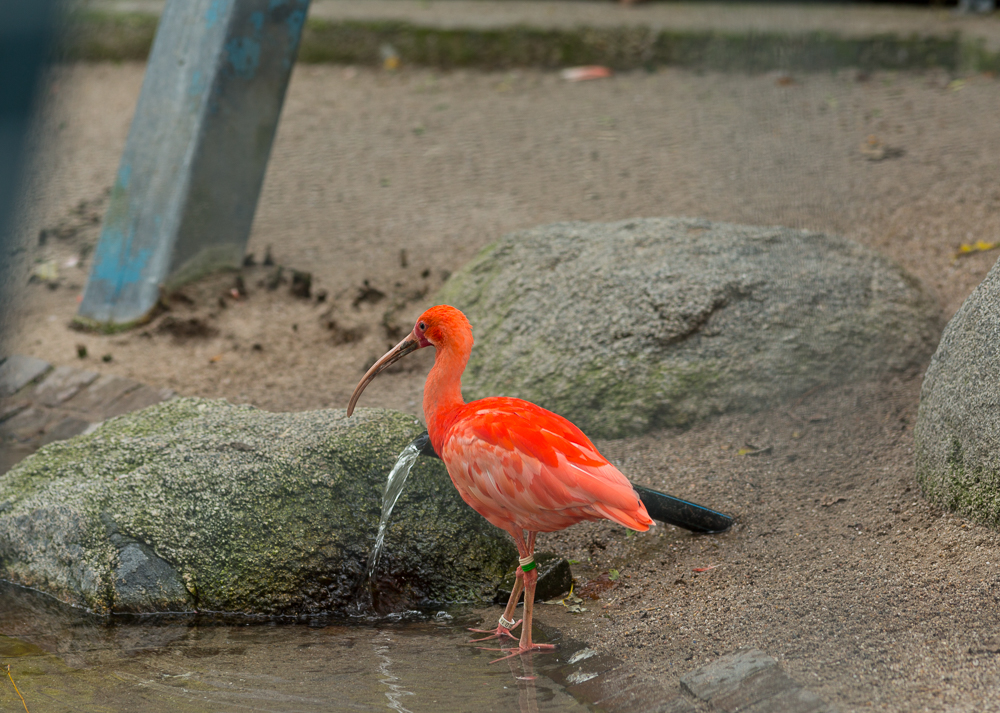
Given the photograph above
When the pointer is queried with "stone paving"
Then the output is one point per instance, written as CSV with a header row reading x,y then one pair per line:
x,y
40,403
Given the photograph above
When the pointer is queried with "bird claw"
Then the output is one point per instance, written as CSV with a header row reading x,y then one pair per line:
x,y
498,633
520,650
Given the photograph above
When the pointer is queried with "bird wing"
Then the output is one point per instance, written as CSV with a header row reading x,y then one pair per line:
x,y
514,461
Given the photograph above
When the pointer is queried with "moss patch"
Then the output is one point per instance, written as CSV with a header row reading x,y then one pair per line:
x,y
970,489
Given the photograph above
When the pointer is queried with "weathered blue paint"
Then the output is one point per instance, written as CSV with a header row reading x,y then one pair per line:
x,y
244,56
124,175
117,263
197,84
194,162
214,12
296,20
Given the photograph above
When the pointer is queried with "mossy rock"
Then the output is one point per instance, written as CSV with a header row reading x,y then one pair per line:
x,y
629,326
957,434
197,504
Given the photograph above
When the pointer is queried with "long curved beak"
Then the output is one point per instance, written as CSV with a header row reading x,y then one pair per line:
x,y
391,357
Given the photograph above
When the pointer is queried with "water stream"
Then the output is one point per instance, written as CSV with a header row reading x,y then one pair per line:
x,y
393,489
366,593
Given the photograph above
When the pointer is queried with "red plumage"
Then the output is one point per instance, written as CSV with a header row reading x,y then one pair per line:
x,y
520,466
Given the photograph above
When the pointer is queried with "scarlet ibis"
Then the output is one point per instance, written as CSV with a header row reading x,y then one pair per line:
x,y
524,469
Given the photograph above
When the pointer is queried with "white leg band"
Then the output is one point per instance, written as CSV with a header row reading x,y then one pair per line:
x,y
506,623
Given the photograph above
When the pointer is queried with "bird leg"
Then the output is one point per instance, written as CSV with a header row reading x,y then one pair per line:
x,y
507,620
526,550
526,645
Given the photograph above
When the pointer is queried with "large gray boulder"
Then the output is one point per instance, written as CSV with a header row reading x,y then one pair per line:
x,y
628,326
957,433
195,504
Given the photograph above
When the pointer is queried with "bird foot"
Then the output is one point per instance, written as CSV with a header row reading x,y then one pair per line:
x,y
498,633
521,650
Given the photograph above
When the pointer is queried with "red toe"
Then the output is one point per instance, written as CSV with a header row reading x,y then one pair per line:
x,y
497,633
519,650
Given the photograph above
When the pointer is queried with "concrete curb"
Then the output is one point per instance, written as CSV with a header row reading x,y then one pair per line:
x,y
125,32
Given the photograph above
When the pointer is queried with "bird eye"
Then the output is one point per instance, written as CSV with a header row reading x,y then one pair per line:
x,y
421,326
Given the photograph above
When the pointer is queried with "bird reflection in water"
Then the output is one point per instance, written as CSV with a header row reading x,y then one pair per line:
x,y
523,670
396,692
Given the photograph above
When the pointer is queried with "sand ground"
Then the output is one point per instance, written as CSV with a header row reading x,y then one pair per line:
x,y
381,184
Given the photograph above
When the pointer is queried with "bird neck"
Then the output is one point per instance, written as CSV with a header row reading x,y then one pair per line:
x,y
443,390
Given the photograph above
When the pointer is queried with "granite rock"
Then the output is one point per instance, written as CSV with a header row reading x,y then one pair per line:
x,y
957,434
624,327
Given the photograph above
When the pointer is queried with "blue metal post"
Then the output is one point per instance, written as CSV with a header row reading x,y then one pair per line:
x,y
194,161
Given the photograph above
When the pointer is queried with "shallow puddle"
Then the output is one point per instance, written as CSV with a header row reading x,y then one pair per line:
x,y
65,660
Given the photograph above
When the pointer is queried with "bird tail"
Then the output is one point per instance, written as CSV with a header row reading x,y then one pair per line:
x,y
637,519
